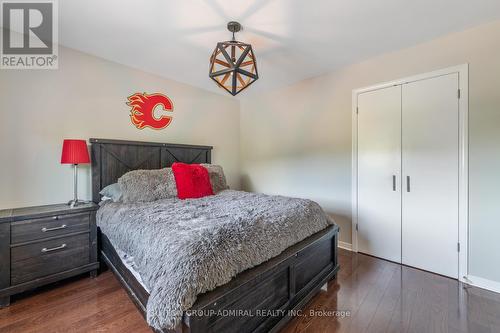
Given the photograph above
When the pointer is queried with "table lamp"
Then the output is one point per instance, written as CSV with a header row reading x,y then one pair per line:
x,y
75,152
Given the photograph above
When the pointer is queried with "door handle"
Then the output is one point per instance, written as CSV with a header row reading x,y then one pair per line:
x,y
407,183
394,182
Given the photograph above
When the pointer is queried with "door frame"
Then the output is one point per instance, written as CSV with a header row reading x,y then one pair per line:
x,y
463,168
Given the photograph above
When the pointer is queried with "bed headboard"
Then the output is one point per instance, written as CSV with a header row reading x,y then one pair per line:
x,y
112,158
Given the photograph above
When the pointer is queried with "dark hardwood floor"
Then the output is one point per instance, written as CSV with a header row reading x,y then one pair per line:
x,y
77,305
385,297
376,295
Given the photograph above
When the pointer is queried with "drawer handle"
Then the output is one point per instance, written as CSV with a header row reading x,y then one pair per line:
x,y
56,228
45,250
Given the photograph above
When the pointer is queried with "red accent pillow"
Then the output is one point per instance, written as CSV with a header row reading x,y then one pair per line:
x,y
192,181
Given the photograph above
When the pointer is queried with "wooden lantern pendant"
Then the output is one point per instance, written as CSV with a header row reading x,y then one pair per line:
x,y
232,64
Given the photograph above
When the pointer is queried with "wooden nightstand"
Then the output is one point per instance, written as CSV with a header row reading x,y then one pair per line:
x,y
40,245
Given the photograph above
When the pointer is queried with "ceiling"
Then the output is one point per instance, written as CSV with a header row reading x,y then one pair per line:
x,y
292,39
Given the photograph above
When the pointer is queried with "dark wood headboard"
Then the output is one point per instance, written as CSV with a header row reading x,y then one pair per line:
x,y
112,158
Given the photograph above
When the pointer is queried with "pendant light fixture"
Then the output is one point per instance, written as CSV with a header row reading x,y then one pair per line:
x,y
232,64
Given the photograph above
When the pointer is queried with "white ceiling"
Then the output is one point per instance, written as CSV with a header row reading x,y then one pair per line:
x,y
292,39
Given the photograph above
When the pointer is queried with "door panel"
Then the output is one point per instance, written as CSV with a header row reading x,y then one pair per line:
x,y
430,159
379,160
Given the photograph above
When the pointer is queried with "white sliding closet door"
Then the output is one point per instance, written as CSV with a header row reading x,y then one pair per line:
x,y
379,165
430,161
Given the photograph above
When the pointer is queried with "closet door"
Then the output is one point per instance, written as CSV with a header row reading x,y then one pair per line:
x,y
430,174
379,164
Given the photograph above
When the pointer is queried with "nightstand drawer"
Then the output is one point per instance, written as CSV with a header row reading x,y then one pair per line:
x,y
28,230
36,260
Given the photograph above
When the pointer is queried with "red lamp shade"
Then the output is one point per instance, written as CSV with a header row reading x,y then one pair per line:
x,y
75,152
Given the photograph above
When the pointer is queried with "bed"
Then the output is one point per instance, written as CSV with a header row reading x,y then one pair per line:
x,y
270,291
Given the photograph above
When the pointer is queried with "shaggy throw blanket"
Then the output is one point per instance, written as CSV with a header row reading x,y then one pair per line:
x,y
183,248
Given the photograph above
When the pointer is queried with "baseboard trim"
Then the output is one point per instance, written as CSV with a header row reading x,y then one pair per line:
x,y
345,246
483,283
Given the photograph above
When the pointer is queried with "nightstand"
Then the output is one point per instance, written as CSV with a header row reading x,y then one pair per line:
x,y
44,244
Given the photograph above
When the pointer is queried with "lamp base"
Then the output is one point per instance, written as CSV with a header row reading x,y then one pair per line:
x,y
75,203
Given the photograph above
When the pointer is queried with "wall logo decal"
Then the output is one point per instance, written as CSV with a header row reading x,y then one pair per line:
x,y
143,107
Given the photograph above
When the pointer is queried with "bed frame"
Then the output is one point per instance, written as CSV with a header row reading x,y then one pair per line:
x,y
260,299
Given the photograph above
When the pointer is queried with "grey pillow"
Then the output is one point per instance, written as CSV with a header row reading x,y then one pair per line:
x,y
217,177
148,185
113,191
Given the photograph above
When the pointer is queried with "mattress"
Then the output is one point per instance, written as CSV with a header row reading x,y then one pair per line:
x,y
130,264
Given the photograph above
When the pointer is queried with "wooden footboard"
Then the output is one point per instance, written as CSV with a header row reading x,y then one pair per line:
x,y
261,299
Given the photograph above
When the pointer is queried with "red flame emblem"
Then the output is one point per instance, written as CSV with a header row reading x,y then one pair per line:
x,y
143,107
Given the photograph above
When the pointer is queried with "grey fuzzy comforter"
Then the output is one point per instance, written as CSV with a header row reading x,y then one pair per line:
x,y
183,248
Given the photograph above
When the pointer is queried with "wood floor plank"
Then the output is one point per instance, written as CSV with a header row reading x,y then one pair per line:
x,y
378,296
79,305
387,297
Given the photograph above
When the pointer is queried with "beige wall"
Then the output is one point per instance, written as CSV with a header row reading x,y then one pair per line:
x,y
297,140
86,98
294,141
